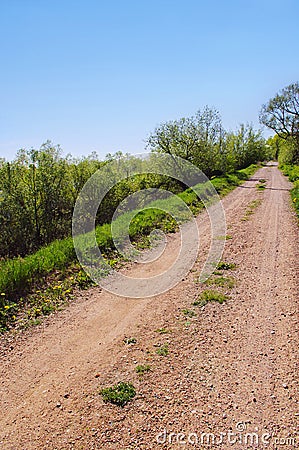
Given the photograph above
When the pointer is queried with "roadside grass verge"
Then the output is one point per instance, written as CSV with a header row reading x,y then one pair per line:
x,y
48,295
227,183
30,282
292,171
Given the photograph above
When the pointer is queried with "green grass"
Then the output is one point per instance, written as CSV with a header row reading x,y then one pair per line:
x,y
142,369
162,350
20,278
210,296
119,394
163,330
224,238
188,313
250,209
221,281
292,171
50,295
261,184
228,182
223,265
130,340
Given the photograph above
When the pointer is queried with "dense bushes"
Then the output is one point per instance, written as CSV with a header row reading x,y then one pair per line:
x,y
281,114
18,275
282,150
37,193
292,171
202,140
39,188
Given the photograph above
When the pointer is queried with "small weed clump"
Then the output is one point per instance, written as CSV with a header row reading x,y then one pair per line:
x,y
210,296
162,331
225,266
250,209
224,238
130,340
119,394
261,184
142,369
188,313
217,272
163,350
221,281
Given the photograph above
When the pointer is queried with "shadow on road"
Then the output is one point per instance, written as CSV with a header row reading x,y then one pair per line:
x,y
268,188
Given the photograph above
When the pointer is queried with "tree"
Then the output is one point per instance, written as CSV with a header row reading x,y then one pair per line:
x,y
202,140
36,200
197,139
281,114
244,147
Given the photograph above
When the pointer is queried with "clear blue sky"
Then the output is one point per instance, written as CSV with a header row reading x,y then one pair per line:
x,y
100,75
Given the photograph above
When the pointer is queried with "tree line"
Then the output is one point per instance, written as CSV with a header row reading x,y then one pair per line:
x,y
202,140
39,188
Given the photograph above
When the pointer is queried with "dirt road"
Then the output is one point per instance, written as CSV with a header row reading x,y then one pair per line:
x,y
229,379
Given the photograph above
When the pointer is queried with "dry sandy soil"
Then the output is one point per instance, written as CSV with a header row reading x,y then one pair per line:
x,y
231,370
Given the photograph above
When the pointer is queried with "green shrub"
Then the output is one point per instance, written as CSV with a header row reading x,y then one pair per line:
x,y
188,312
119,394
292,171
221,281
210,296
142,369
130,340
225,266
163,331
163,350
19,276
